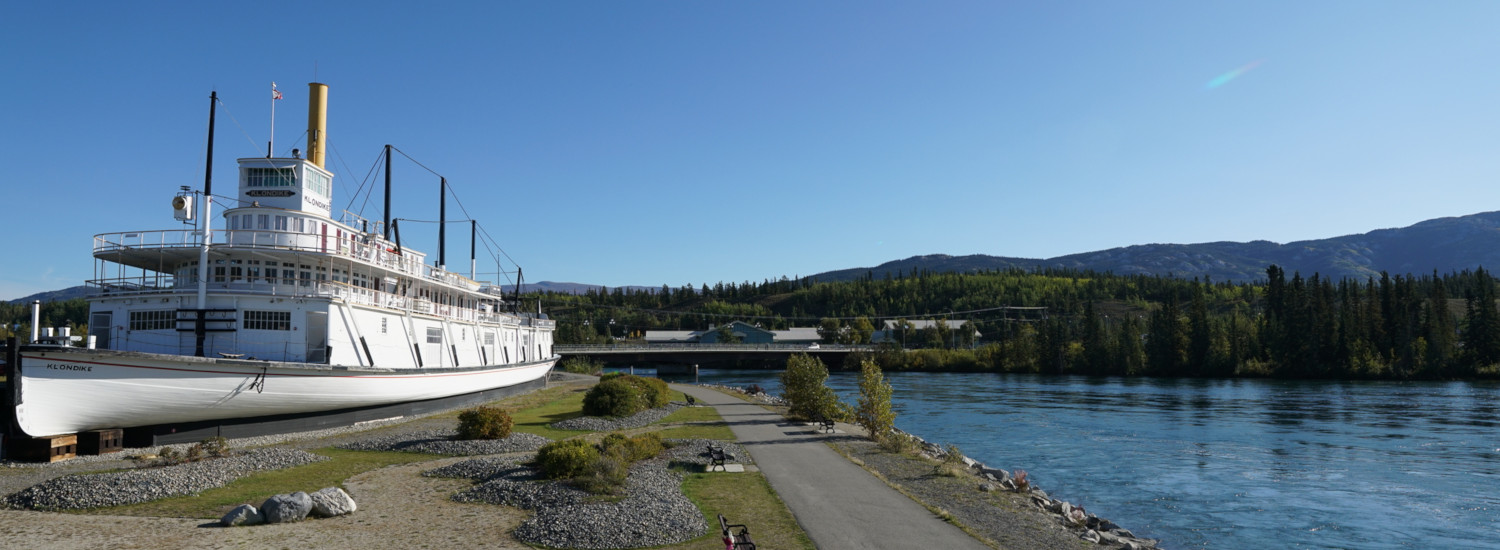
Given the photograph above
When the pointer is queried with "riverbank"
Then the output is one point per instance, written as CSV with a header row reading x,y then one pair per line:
x,y
981,501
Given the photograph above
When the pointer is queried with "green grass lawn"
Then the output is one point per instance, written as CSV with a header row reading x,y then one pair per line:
x,y
254,489
693,423
743,499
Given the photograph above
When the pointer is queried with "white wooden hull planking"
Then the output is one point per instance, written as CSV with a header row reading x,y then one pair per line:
x,y
84,390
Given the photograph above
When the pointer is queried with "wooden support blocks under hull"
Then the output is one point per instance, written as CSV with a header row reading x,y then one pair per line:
x,y
100,442
51,448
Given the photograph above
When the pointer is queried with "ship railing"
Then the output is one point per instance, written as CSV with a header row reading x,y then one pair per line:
x,y
172,238
350,293
353,246
146,284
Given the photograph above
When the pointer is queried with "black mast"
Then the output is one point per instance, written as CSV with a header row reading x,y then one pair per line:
x,y
199,332
443,222
208,170
387,192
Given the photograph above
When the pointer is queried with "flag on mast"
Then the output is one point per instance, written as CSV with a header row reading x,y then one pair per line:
x,y
275,94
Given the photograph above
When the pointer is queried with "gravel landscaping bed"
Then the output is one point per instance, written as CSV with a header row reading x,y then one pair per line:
x,y
1003,517
609,424
652,512
146,484
442,442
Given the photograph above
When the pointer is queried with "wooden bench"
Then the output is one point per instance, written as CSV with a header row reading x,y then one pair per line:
x,y
716,457
735,541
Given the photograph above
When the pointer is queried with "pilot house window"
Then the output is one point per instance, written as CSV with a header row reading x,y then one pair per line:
x,y
270,177
268,320
159,319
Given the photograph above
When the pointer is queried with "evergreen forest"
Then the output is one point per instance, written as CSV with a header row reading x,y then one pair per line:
x,y
1286,326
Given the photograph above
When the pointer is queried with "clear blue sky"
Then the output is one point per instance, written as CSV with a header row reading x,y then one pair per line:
x,y
643,143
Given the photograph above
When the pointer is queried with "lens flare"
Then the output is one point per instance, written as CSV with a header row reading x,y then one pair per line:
x,y
1231,75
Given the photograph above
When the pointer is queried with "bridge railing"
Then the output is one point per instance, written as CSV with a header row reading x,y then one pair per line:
x,y
638,348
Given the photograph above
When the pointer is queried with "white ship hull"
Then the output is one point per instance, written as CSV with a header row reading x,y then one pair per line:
x,y
67,391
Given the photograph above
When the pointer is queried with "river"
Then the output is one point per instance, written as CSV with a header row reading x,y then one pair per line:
x,y
1225,463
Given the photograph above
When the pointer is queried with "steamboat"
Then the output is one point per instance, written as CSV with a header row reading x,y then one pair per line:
x,y
284,311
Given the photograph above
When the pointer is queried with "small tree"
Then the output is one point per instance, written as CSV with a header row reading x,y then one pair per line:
x,y
803,386
484,423
875,412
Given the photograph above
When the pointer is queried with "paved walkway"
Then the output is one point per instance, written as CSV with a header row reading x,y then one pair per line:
x,y
840,505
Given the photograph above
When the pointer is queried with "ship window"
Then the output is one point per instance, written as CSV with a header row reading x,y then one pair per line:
x,y
383,321
316,183
489,338
268,320
434,335
270,177
157,319
299,225
263,221
281,223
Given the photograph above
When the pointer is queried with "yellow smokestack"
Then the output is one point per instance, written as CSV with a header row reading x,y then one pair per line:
x,y
317,122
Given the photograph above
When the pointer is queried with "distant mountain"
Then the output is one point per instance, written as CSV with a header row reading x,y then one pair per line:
x,y
55,295
1443,244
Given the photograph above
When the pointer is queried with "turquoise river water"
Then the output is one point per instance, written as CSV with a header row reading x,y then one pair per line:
x,y
1225,463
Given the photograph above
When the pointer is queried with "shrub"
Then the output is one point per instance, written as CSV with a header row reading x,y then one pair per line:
x,y
874,411
898,443
610,375
803,386
612,397
631,449
1019,480
606,475
653,391
484,423
215,447
582,365
953,462
569,458
624,395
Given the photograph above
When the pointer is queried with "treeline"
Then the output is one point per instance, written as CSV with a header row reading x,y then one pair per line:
x,y
16,318
1290,326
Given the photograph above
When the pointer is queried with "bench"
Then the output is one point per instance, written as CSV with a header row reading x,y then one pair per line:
x,y
716,457
735,541
824,424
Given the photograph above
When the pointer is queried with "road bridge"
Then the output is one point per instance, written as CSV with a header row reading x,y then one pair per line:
x,y
768,355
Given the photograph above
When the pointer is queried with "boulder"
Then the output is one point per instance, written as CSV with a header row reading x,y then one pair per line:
x,y
996,474
331,502
987,487
287,508
243,514
1091,536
